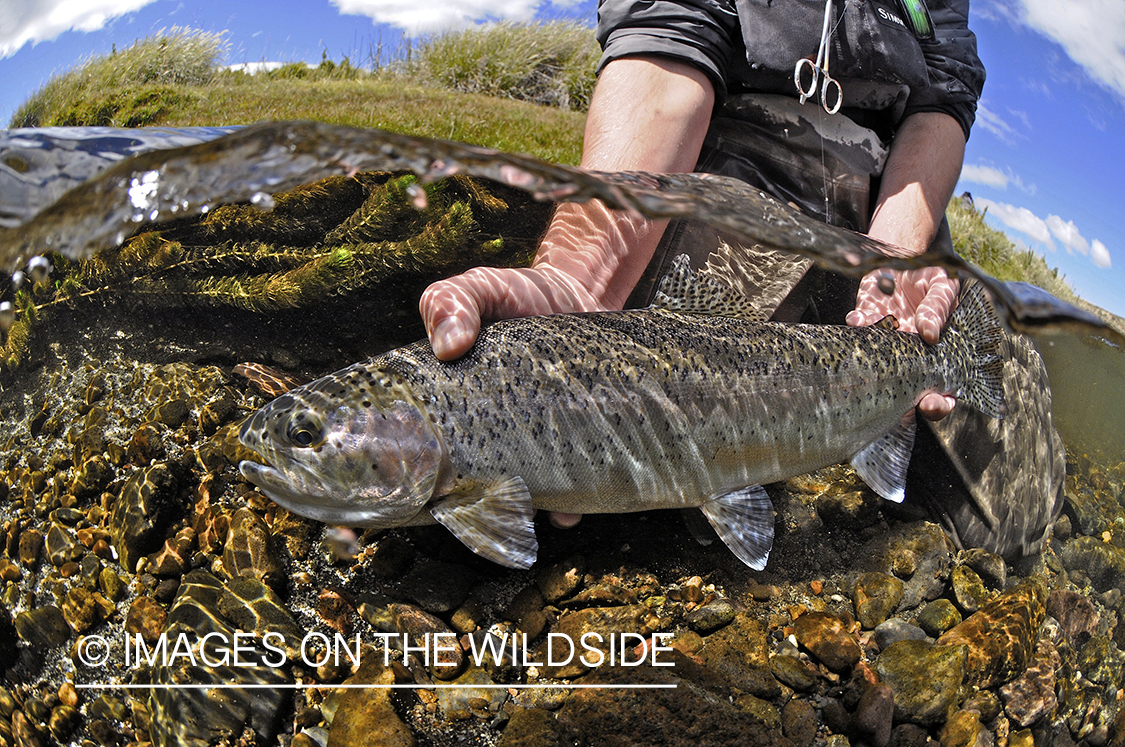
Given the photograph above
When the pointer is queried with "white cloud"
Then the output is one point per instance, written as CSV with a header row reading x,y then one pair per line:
x,y
992,122
430,16
990,176
1091,32
1099,254
253,68
33,21
1067,233
1028,223
1020,219
984,175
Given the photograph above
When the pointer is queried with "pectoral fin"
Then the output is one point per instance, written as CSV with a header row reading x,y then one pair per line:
x,y
494,522
744,520
883,463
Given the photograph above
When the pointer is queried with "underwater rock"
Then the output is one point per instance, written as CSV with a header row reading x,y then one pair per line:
x,y
82,609
826,637
688,716
391,558
142,511
251,605
604,594
963,729
871,723
560,580
711,616
925,678
741,645
1031,695
1000,638
30,548
876,596
526,611
92,477
61,546
1100,661
920,554
895,630
793,672
365,716
603,624
798,723
988,565
419,626
249,549
195,718
146,618
531,727
147,443
968,589
938,616
1076,614
43,627
466,702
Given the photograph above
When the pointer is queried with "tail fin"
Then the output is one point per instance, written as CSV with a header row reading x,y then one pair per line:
x,y
980,327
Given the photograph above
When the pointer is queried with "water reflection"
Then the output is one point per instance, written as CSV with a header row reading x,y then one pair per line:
x,y
270,157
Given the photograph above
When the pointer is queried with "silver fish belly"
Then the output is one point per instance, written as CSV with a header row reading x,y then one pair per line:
x,y
612,412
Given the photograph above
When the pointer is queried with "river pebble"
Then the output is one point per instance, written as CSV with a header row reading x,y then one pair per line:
x,y
876,597
938,616
828,639
561,580
142,512
1031,695
925,678
365,717
1000,638
968,590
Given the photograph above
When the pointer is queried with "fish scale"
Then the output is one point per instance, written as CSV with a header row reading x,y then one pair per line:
x,y
613,412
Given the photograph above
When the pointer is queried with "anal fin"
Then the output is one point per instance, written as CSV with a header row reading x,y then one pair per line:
x,y
744,520
882,464
494,522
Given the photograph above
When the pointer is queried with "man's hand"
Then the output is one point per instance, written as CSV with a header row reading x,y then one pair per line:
x,y
921,302
453,309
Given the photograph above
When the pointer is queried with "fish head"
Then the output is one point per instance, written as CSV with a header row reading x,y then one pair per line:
x,y
354,448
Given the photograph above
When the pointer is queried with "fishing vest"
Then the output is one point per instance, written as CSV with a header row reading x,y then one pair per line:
x,y
873,53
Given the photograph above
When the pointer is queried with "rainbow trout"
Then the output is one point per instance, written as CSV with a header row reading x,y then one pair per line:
x,y
686,403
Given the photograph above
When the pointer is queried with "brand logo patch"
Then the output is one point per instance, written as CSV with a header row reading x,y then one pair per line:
x,y
889,18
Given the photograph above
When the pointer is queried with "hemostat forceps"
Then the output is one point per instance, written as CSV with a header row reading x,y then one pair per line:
x,y
820,76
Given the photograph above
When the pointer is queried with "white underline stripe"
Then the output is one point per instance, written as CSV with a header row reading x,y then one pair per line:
x,y
291,686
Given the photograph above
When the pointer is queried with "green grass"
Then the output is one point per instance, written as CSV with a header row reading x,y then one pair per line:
x,y
175,80
551,64
139,86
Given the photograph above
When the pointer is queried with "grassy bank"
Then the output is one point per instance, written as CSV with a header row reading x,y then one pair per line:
x,y
515,88
175,80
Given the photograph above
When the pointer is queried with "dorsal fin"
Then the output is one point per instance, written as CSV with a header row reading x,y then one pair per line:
x,y
696,293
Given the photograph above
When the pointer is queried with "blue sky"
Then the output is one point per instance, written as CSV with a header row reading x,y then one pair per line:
x,y
1047,155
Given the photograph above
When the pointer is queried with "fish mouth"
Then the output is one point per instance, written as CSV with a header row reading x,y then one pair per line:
x,y
278,486
322,503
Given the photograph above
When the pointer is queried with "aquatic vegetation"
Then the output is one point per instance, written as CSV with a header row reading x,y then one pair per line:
x,y
337,238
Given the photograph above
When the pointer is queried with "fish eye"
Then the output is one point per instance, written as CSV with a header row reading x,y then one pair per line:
x,y
303,431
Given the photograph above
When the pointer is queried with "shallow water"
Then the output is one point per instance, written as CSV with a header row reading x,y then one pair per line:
x,y
1088,388
254,162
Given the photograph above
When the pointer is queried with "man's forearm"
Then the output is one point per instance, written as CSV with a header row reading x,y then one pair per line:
x,y
921,173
